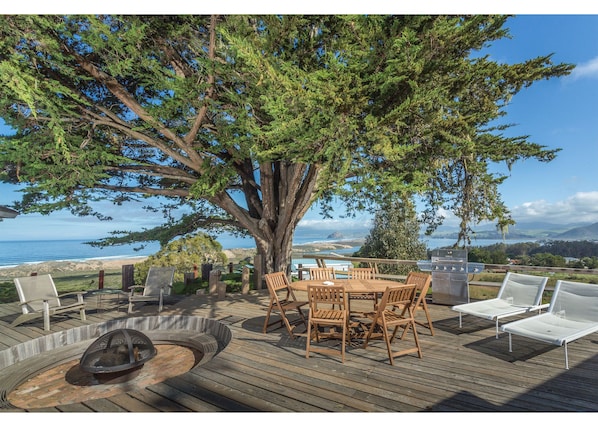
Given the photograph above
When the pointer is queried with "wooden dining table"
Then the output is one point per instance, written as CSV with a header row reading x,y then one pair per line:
x,y
357,328
361,286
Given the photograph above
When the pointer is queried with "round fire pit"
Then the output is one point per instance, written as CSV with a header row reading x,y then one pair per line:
x,y
52,362
117,351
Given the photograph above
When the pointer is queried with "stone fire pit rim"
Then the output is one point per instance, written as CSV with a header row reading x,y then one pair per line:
x,y
160,328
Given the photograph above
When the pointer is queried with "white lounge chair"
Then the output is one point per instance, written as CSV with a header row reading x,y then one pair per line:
x,y
39,298
518,294
158,284
572,314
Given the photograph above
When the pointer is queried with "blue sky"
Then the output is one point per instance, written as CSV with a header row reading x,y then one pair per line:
x,y
559,113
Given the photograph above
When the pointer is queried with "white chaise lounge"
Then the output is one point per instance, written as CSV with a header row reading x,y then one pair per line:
x,y
573,313
518,294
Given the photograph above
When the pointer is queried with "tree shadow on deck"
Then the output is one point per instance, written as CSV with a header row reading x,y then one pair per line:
x,y
570,390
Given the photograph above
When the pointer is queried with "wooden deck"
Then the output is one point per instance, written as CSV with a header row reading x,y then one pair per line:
x,y
461,370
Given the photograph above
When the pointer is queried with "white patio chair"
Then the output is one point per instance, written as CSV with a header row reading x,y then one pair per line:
x,y
518,294
158,284
39,298
572,314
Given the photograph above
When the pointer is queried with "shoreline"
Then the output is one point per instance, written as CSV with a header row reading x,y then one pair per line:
x,y
234,255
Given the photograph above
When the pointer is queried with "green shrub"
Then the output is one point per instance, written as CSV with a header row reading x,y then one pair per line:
x,y
183,254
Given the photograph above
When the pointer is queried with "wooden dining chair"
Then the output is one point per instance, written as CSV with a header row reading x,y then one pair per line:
x,y
322,273
366,274
283,300
395,311
422,282
323,314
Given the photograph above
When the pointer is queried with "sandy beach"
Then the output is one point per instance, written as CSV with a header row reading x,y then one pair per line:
x,y
53,267
95,265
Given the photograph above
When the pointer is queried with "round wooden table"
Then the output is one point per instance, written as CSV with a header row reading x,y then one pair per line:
x,y
361,286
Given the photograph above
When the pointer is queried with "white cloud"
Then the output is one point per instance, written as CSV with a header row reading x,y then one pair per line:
x,y
587,69
581,207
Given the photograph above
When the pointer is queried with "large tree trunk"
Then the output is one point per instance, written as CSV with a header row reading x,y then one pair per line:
x,y
287,192
277,254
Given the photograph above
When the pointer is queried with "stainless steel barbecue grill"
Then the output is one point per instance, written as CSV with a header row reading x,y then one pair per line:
x,y
450,271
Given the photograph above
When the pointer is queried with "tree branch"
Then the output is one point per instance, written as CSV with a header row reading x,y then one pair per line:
x,y
202,114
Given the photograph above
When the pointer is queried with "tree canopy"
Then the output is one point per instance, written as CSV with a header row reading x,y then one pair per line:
x,y
249,120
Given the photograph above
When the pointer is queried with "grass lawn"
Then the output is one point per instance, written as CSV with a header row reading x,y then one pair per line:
x,y
70,281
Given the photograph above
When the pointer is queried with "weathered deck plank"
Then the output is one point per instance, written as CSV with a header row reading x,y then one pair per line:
x,y
462,369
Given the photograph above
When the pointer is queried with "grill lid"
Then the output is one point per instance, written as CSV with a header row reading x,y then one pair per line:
x,y
118,350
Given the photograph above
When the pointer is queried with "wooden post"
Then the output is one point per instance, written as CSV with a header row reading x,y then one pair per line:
x,y
127,276
101,280
221,287
258,271
205,271
245,281
189,278
300,271
213,282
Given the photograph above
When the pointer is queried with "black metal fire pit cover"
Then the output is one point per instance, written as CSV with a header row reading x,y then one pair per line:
x,y
118,350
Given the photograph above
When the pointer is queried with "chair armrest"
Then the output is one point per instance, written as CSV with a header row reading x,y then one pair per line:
x,y
79,295
541,307
68,294
134,288
34,300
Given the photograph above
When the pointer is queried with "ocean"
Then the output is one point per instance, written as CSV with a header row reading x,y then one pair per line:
x,y
13,253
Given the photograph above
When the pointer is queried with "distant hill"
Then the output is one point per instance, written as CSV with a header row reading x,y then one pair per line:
x,y
535,231
588,232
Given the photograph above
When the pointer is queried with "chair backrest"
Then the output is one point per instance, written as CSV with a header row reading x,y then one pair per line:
x,y
401,297
422,283
321,273
36,289
326,297
157,278
522,289
575,301
278,283
420,280
361,273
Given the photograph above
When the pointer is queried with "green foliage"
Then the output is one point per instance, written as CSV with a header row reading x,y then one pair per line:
x,y
8,292
487,256
183,254
395,235
549,253
249,120
233,282
547,260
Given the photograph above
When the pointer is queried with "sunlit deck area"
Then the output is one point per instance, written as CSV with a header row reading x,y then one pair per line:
x,y
462,369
